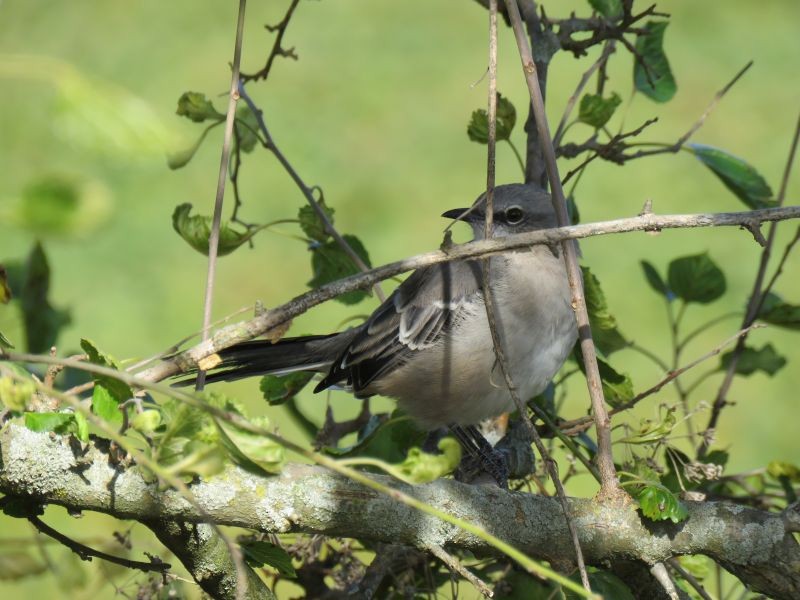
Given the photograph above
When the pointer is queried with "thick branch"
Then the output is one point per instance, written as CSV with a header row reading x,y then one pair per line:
x,y
756,546
246,330
205,555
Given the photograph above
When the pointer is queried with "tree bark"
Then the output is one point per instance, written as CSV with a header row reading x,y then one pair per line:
x,y
756,546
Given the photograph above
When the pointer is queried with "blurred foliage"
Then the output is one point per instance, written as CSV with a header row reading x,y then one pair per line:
x,y
98,120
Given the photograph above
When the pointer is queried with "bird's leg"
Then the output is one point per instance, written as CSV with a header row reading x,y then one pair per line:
x,y
479,456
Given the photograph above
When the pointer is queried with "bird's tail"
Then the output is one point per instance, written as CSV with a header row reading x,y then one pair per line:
x,y
262,357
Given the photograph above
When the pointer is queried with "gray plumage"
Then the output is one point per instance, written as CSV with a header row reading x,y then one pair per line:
x,y
429,345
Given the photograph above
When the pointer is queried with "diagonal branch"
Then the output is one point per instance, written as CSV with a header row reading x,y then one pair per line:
x,y
262,323
605,461
308,192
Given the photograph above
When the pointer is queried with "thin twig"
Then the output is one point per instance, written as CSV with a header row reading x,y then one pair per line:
x,y
689,578
213,246
697,124
277,48
308,192
753,304
213,240
455,565
579,425
779,269
608,49
491,314
87,553
605,461
659,571
247,330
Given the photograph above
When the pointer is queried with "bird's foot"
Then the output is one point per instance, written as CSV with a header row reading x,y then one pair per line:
x,y
480,459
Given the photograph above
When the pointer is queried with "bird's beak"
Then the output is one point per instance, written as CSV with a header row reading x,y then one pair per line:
x,y
455,213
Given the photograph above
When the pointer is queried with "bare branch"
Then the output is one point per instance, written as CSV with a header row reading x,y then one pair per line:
x,y
605,461
247,330
87,553
213,239
491,315
308,192
608,49
277,48
454,564
582,424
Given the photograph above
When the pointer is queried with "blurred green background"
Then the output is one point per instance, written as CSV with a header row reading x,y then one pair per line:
x,y
374,111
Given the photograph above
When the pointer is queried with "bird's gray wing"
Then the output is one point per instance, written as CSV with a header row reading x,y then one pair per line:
x,y
412,319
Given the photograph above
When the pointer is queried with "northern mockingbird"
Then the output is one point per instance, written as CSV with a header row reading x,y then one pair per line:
x,y
429,345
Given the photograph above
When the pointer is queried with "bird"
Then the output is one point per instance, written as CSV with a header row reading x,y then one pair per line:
x,y
429,345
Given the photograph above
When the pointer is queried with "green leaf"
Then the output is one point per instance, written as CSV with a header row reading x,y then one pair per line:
x,y
650,47
4,341
387,440
777,469
596,110
146,421
195,458
255,453
739,177
659,504
16,565
246,128
651,431
196,107
610,9
606,336
62,205
696,278
119,391
277,389
617,387
81,427
311,224
105,406
572,210
49,421
180,158
656,282
42,321
260,553
196,230
478,128
180,421
752,360
16,395
421,467
5,291
329,263
777,312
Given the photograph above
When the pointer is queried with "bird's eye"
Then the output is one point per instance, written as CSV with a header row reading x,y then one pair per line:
x,y
514,215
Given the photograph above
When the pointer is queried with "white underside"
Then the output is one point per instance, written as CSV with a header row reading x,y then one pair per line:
x,y
537,326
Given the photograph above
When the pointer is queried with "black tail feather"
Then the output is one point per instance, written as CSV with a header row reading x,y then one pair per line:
x,y
262,357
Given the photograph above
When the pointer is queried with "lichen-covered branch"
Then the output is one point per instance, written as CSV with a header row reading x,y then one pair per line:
x,y
756,546
205,555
